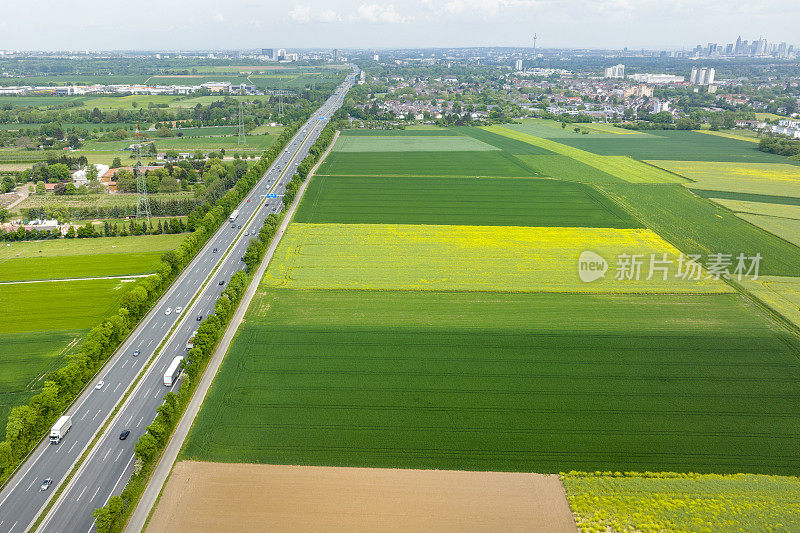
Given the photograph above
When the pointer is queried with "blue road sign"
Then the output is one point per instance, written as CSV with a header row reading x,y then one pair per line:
x,y
272,195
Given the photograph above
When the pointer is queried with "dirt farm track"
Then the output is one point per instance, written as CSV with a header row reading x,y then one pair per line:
x,y
225,497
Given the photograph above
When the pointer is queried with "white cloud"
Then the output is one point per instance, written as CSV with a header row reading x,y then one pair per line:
x,y
378,14
303,14
219,17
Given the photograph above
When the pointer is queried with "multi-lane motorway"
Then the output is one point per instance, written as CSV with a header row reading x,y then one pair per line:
x,y
111,460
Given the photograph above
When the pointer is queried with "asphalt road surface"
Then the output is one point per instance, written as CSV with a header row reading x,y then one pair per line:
x,y
110,463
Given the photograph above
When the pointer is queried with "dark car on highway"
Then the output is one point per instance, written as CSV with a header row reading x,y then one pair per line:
x,y
124,434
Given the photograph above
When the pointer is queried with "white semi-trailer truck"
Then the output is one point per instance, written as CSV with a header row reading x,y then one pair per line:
x,y
60,429
234,215
172,372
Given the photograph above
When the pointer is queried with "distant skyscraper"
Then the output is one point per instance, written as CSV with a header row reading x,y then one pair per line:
x,y
267,52
518,64
336,54
376,57
281,54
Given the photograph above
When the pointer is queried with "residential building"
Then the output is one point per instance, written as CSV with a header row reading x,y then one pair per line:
x,y
617,72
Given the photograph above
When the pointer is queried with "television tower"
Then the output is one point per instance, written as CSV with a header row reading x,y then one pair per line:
x,y
534,45
142,203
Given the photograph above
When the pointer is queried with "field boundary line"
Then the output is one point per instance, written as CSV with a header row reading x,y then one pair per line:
x,y
162,471
73,279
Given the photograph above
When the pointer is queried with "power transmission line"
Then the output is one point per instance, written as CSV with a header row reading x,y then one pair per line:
x,y
142,202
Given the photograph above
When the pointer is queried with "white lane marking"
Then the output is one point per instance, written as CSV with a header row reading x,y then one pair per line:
x,y
58,449
12,527
129,421
156,394
81,494
95,494
118,456
31,485
125,363
106,387
140,421
115,388
73,445
118,480
106,455
149,343
95,416
84,415
148,391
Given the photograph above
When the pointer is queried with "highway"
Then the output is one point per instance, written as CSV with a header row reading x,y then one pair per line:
x,y
110,462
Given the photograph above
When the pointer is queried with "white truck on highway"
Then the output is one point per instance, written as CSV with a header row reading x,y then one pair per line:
x,y
60,429
234,215
173,370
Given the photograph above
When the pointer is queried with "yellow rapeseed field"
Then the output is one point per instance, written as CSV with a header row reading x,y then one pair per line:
x,y
623,167
479,258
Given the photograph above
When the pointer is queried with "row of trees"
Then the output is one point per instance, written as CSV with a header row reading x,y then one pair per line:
x,y
28,423
781,146
158,208
89,230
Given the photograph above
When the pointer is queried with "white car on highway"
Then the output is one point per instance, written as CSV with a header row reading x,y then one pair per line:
x,y
178,310
99,385
168,311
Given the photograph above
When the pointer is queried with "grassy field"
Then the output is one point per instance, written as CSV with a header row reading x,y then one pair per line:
x,y
785,228
622,167
551,129
698,226
78,305
498,381
477,258
409,143
82,258
674,145
25,359
681,502
755,178
408,132
460,201
474,163
42,323
762,208
739,135
565,168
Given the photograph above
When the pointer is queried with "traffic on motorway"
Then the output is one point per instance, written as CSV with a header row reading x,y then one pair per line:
x,y
171,322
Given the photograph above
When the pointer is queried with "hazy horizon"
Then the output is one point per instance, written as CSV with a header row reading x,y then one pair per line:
x,y
202,24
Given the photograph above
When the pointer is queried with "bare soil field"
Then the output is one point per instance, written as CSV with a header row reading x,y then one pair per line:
x,y
203,496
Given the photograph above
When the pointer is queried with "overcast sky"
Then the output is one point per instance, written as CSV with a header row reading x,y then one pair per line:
x,y
233,24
